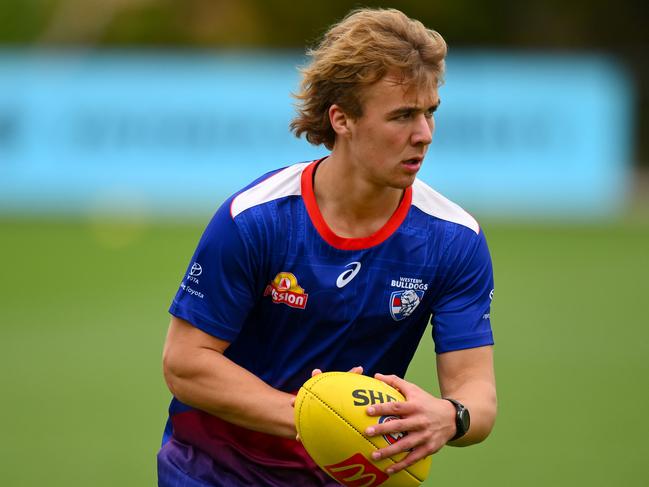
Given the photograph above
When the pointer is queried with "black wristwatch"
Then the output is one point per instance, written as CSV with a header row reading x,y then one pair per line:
x,y
462,419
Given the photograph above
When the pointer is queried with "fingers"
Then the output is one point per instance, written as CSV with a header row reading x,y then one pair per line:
x,y
391,408
410,459
412,444
403,445
417,446
354,370
392,426
395,381
417,418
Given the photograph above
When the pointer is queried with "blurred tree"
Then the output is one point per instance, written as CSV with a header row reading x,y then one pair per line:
x,y
618,29
23,21
285,23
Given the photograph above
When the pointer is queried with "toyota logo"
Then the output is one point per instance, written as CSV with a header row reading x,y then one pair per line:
x,y
196,269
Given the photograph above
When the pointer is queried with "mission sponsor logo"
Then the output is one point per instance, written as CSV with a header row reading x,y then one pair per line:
x,y
284,289
357,471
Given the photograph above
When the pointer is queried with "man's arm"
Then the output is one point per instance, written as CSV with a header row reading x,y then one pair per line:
x,y
464,375
468,377
199,375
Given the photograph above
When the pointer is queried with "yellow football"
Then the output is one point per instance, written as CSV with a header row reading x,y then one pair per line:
x,y
330,418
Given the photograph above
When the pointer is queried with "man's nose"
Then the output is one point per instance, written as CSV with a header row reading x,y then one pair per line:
x,y
423,131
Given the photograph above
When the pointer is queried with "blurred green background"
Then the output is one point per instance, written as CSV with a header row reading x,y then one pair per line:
x,y
84,299
85,318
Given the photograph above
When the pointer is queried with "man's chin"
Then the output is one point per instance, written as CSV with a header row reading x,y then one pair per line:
x,y
404,182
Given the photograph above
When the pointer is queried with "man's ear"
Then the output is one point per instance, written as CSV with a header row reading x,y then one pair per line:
x,y
339,120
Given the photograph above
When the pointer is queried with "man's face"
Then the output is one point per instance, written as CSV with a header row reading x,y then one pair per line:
x,y
389,141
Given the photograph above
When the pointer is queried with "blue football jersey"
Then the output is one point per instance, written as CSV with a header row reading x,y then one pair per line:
x,y
290,295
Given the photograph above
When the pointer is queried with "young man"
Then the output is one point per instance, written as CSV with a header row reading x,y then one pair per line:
x,y
336,264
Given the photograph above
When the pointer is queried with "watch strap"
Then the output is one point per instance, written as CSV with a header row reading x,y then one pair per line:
x,y
462,418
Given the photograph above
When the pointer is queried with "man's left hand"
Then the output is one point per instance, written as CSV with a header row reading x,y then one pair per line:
x,y
428,421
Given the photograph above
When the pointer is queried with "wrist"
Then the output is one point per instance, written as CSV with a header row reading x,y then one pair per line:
x,y
450,419
461,417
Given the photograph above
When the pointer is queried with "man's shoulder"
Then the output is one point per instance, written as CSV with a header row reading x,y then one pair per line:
x,y
272,186
438,206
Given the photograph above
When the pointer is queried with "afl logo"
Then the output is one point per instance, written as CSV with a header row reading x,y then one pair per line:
x,y
196,270
391,438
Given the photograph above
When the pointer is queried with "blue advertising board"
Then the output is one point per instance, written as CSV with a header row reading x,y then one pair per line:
x,y
176,132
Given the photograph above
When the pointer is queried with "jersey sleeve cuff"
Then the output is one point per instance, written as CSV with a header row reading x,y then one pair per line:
x,y
211,327
462,343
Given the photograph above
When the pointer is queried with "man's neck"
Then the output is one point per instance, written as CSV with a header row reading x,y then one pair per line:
x,y
351,206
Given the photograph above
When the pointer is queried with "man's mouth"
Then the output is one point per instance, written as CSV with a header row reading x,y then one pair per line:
x,y
413,163
414,160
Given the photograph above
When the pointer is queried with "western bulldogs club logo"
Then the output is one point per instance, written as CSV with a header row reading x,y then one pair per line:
x,y
404,303
391,438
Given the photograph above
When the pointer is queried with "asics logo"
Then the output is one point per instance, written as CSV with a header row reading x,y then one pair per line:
x,y
348,275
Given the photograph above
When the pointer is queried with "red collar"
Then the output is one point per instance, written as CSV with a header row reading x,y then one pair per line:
x,y
343,243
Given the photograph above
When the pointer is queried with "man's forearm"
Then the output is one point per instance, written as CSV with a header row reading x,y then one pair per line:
x,y
468,377
206,379
480,399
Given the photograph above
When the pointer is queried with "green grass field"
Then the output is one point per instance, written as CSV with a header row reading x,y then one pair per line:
x,y
83,320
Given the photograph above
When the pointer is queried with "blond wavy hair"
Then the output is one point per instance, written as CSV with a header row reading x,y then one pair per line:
x,y
357,52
